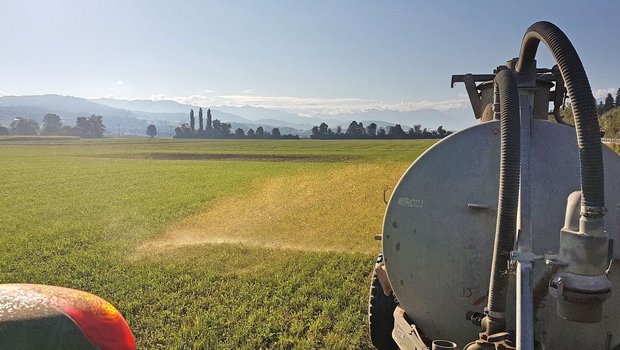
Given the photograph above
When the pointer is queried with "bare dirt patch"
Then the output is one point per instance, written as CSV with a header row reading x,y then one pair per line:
x,y
228,156
337,210
38,138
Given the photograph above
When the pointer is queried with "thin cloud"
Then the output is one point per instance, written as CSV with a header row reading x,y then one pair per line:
x,y
110,96
308,106
602,93
158,97
318,105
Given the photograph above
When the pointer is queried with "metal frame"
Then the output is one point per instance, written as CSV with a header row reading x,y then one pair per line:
x,y
524,258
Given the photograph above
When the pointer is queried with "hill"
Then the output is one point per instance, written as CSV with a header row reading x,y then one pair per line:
x,y
133,116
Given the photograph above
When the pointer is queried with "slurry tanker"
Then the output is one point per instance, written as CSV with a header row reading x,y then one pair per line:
x,y
505,235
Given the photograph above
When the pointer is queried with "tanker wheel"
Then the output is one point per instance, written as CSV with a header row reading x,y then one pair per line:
x,y
381,313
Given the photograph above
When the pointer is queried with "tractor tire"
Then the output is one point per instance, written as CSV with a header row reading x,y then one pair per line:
x,y
381,313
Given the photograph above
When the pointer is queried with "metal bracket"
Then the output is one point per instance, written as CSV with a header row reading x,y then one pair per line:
x,y
554,260
470,86
474,97
478,206
521,257
383,279
406,334
558,95
524,256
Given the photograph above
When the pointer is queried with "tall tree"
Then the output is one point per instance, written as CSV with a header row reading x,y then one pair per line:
x,y
209,123
609,103
352,129
440,131
315,131
323,129
217,126
396,131
51,124
225,129
90,127
192,120
22,126
371,129
360,129
260,132
83,127
251,133
600,108
275,132
96,125
151,130
239,132
200,125
178,132
618,98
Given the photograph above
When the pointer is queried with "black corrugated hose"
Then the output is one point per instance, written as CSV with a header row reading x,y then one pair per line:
x,y
508,202
588,141
584,108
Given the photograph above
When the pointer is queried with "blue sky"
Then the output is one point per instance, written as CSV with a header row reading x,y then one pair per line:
x,y
307,56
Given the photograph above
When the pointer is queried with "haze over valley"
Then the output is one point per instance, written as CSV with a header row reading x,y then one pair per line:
x,y
131,117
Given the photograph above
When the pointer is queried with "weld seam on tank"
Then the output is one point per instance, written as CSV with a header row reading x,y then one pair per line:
x,y
508,201
584,109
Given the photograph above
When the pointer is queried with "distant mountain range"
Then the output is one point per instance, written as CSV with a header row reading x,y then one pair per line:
x,y
132,117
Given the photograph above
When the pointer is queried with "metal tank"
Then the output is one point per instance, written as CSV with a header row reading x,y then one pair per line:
x,y
506,235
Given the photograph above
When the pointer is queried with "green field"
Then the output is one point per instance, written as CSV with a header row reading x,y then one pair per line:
x,y
205,244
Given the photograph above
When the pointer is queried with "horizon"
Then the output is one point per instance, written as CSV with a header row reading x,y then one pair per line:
x,y
244,116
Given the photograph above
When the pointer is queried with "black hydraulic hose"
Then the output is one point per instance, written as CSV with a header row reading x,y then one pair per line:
x,y
509,174
584,108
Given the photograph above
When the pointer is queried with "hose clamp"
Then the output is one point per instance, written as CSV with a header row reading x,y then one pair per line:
x,y
494,314
592,211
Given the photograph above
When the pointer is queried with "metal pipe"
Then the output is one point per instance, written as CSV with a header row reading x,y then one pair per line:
x,y
525,314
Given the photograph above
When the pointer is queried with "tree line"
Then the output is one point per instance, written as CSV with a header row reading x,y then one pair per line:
x,y
608,112
609,115
85,127
358,131
216,129
609,104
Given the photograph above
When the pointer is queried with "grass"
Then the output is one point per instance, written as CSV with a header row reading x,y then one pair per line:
x,y
269,244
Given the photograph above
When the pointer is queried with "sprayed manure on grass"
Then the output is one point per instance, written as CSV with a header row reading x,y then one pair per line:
x,y
336,210
75,217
